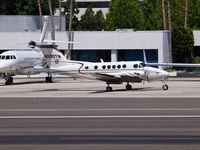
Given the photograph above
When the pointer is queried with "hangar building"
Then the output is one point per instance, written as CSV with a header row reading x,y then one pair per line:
x,y
121,45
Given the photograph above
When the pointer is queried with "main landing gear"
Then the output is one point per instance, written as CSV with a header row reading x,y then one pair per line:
x,y
165,86
8,80
49,79
109,88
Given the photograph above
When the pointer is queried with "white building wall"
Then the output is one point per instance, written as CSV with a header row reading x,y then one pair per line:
x,y
97,40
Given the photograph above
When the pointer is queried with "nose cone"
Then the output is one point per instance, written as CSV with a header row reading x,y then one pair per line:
x,y
5,66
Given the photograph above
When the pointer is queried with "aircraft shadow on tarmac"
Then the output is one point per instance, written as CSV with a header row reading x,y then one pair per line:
x,y
98,91
26,82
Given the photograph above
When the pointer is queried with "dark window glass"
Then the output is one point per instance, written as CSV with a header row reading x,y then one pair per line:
x,y
135,65
86,67
14,57
7,57
95,67
3,57
124,66
113,66
103,67
143,64
108,66
0,56
118,66
91,55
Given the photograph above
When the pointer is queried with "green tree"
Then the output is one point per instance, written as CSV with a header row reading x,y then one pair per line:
x,y
75,11
124,14
7,7
194,14
30,7
91,21
153,17
182,44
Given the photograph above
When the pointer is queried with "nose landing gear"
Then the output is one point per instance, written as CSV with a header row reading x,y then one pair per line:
x,y
165,86
8,80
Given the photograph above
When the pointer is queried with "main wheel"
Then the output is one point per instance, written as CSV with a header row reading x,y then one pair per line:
x,y
128,87
165,87
108,89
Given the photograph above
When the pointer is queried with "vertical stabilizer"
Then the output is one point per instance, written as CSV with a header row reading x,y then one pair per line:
x,y
52,57
45,29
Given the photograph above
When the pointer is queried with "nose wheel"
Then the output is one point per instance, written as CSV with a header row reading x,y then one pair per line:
x,y
9,80
165,86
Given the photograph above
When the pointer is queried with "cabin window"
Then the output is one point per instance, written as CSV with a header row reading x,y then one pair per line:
x,y
86,67
14,57
124,66
3,57
113,66
95,67
0,56
135,66
7,57
118,66
108,66
103,67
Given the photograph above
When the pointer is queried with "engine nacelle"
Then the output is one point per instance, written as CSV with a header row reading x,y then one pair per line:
x,y
33,44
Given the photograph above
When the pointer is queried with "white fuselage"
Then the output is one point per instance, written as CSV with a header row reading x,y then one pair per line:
x,y
20,61
128,68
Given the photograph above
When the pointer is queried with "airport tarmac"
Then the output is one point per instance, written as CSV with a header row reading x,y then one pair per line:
x,y
99,123
67,87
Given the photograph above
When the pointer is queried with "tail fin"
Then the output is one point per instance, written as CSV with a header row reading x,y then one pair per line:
x,y
52,57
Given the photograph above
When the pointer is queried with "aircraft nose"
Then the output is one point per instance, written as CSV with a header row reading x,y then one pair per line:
x,y
4,67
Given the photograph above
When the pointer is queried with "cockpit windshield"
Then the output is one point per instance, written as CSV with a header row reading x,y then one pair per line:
x,y
143,64
7,57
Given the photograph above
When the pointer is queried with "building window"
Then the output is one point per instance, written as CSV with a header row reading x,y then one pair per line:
x,y
91,55
137,55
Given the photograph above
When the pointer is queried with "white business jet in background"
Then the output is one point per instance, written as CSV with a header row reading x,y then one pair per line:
x,y
110,72
21,62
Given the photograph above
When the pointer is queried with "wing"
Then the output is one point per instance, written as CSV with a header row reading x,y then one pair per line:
x,y
131,76
173,64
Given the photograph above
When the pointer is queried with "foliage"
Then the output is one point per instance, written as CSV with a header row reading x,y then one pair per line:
x,y
30,7
25,7
182,44
7,7
124,14
197,61
91,21
152,10
194,14
75,11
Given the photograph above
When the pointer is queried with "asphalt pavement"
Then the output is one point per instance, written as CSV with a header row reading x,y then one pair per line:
x,y
100,123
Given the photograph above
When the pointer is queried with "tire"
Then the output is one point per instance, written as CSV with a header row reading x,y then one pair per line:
x,y
165,87
128,87
109,89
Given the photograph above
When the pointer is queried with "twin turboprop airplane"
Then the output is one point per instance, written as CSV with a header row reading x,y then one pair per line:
x,y
110,72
